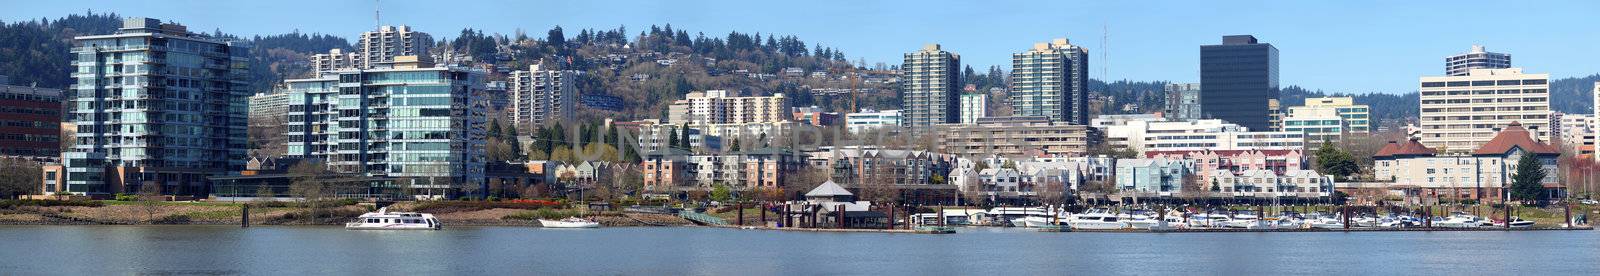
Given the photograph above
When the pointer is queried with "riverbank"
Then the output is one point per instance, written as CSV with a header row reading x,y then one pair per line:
x,y
110,212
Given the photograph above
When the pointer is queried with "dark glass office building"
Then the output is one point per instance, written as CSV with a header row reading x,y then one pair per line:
x,y
1239,81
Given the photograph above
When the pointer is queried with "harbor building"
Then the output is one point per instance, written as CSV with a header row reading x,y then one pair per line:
x,y
336,59
1183,102
1594,127
388,42
930,88
155,104
1484,172
1051,80
1239,82
407,121
268,115
1461,113
869,119
542,95
1573,133
30,121
973,107
1036,137
1327,119
721,107
1146,133
1478,58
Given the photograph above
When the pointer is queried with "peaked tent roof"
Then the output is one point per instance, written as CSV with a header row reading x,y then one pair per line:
x,y
1514,136
828,189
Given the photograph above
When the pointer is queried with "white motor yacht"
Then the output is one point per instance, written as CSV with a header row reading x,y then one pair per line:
x,y
1459,220
385,220
1243,220
1325,223
1096,219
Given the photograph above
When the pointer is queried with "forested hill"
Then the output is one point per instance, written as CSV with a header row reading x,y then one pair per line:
x,y
650,67
38,52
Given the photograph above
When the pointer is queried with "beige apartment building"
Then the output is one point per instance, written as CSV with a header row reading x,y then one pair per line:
x,y
1034,138
1461,113
718,107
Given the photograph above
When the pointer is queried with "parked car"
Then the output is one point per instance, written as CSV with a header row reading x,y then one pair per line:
x,y
1589,202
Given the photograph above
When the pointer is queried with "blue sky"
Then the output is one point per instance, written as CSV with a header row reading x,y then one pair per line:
x,y
1345,46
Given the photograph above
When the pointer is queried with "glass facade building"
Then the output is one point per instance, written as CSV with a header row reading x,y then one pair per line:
x,y
1239,82
422,126
155,105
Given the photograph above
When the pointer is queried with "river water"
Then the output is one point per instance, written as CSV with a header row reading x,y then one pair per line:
x,y
306,250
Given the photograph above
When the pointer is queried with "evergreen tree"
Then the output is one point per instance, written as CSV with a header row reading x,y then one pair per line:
x,y
1527,185
683,138
672,141
558,137
735,146
555,38
1333,161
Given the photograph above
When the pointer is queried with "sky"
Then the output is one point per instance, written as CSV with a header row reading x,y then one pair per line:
x,y
1357,46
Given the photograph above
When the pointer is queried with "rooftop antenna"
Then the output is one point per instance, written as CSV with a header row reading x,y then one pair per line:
x,y
1105,35
377,18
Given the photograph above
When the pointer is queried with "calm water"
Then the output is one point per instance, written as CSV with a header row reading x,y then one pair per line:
x,y
120,250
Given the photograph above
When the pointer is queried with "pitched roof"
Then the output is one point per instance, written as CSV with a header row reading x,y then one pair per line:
x,y
828,189
1514,136
1409,148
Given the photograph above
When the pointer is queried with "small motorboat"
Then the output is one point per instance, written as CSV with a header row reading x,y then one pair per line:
x,y
1517,222
570,222
385,220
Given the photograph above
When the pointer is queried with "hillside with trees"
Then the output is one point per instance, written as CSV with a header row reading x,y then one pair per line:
x,y
649,68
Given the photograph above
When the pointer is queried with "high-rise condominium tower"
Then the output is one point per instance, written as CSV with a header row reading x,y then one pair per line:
x,y
1478,58
1051,80
931,88
155,105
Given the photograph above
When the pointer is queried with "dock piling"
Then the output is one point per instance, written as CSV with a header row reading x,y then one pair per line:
x,y
1568,206
244,216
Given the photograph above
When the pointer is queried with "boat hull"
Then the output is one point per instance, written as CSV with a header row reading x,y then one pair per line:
x,y
1098,225
372,226
568,224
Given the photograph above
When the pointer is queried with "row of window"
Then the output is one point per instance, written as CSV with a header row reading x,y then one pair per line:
x,y
1484,83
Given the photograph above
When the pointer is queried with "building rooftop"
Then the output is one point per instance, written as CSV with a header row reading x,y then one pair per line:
x,y
1409,148
828,189
1514,136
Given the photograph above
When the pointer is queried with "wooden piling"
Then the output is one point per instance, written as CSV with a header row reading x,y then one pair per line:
x,y
1568,222
788,219
1508,213
764,214
840,211
740,206
1427,217
1345,212
244,217
891,217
